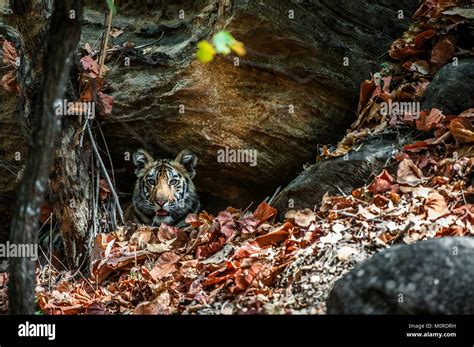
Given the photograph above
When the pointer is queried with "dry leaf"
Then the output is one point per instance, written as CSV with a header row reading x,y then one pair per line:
x,y
435,206
409,174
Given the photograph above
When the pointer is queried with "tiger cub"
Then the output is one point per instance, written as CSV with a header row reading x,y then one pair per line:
x,y
164,190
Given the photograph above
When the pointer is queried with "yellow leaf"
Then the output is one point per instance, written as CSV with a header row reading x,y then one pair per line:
x,y
205,52
238,47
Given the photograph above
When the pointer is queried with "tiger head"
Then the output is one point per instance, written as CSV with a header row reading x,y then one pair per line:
x,y
164,190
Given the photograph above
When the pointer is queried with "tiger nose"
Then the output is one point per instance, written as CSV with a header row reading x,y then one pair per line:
x,y
160,203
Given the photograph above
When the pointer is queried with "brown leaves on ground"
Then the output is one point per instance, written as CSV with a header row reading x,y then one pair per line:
x,y
430,43
462,127
251,263
143,269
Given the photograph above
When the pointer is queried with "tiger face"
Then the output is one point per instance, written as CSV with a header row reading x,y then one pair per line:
x,y
164,190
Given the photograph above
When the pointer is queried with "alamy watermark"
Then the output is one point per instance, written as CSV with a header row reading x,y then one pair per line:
x,y
230,155
28,329
74,108
395,108
13,250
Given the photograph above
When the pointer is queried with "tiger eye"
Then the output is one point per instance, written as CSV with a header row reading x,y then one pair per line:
x,y
174,182
151,181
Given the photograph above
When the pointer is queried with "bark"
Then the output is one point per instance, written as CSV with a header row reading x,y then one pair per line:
x,y
63,37
72,189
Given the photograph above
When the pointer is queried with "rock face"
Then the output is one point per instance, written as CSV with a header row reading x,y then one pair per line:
x,y
339,175
429,277
452,88
289,93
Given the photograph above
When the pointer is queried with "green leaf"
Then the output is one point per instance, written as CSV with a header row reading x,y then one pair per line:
x,y
111,6
222,42
205,52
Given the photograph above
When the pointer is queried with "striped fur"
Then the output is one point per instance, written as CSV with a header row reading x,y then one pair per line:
x,y
164,190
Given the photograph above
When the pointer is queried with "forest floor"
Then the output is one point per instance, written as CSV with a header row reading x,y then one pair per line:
x,y
243,262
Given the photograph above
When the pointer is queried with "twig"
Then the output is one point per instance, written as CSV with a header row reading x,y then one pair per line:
x,y
403,232
116,49
108,152
247,208
50,247
106,41
341,191
352,215
274,195
106,175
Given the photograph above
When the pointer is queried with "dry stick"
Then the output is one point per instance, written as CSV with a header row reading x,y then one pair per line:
x,y
108,152
402,232
106,42
50,247
352,215
94,217
106,175
116,49
274,194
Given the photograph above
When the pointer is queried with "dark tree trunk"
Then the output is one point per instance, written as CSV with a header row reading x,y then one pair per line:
x,y
63,37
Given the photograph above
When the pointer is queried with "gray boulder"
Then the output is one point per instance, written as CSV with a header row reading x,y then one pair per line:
x,y
429,277
452,88
340,175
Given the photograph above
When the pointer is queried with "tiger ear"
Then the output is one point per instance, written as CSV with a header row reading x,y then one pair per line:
x,y
188,161
140,159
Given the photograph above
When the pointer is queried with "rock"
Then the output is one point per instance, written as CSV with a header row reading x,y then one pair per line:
x,y
293,64
341,174
428,277
452,88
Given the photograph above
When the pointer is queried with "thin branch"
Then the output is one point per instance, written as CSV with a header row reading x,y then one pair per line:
x,y
104,171
106,42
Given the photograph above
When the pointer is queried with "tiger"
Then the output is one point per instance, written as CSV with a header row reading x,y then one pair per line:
x,y
164,190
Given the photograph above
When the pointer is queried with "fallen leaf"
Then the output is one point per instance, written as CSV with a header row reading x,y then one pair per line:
x,y
435,206
443,51
274,237
90,66
116,32
105,103
264,212
431,121
382,183
304,218
160,305
104,189
408,173
462,127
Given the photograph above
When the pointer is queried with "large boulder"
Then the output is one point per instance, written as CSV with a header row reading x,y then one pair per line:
x,y
452,88
428,277
341,175
289,93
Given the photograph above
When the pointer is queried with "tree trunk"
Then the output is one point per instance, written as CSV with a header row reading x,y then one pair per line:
x,y
72,189
63,37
